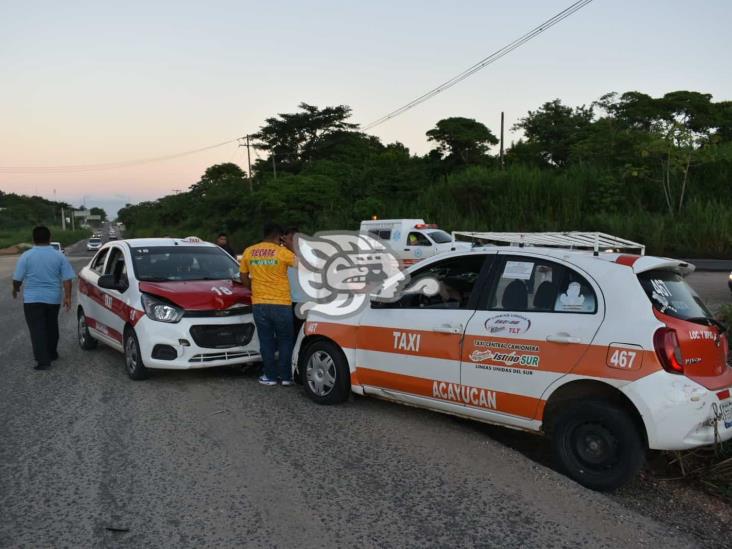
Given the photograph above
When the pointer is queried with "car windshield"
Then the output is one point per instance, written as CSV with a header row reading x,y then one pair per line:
x,y
180,263
671,295
55,246
440,237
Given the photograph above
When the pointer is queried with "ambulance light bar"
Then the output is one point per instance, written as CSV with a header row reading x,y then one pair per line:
x,y
573,240
425,226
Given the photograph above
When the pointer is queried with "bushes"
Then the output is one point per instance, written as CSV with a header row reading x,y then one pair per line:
x,y
328,195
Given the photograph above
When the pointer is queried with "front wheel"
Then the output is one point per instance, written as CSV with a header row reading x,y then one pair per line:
x,y
133,357
325,374
86,341
597,444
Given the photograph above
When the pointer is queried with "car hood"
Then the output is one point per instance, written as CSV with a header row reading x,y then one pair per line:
x,y
200,295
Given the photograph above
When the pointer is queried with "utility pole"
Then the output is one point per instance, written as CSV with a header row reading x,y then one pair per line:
x,y
274,165
503,165
249,164
63,219
249,161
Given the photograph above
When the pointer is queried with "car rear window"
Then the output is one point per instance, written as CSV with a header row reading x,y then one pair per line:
x,y
670,294
179,263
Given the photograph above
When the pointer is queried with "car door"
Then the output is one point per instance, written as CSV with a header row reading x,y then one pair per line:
x,y
416,248
115,306
532,327
92,300
413,346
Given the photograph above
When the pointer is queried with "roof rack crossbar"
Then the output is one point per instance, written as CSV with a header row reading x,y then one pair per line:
x,y
573,239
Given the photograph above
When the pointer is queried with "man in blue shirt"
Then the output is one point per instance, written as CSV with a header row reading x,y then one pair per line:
x,y
42,271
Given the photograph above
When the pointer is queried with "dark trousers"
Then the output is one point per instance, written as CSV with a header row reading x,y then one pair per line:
x,y
42,319
274,328
297,321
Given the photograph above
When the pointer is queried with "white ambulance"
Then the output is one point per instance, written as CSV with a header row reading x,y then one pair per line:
x,y
412,240
608,354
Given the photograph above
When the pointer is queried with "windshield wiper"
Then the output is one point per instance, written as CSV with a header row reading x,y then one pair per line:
x,y
155,279
709,321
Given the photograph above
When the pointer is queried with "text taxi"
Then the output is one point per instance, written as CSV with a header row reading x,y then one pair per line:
x,y
610,355
166,303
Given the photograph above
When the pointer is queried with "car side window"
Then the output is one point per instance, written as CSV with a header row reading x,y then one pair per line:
x,y
117,267
97,264
418,239
536,285
446,284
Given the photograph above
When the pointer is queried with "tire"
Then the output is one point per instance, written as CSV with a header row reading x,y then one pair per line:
x,y
86,341
325,374
597,444
133,357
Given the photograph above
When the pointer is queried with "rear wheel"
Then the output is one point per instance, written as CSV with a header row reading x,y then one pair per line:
x,y
325,373
133,357
597,444
86,341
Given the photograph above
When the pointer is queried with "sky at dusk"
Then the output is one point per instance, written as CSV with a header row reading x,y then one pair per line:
x,y
88,82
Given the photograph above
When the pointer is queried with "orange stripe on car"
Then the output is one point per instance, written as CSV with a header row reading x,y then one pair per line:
x,y
475,397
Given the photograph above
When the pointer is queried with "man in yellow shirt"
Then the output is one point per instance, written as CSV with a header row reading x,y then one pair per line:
x,y
263,268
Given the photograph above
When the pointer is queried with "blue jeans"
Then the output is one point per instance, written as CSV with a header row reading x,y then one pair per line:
x,y
275,331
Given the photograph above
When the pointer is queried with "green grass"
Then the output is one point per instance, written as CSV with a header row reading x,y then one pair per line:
x,y
23,236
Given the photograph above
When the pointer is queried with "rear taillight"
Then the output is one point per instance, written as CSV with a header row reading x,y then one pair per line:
x,y
668,350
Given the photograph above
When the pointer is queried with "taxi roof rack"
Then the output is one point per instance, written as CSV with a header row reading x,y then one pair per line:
x,y
574,240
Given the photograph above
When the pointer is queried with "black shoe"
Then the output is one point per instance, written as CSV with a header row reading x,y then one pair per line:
x,y
54,357
41,366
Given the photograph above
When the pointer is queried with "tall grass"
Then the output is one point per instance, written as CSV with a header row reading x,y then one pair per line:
x,y
23,236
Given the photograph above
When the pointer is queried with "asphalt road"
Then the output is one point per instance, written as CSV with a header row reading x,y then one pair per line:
x,y
89,458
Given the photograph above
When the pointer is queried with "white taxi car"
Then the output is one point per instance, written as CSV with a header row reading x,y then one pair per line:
x,y
609,355
166,303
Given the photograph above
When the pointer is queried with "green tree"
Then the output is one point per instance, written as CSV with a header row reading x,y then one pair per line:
x,y
553,129
100,212
294,137
461,140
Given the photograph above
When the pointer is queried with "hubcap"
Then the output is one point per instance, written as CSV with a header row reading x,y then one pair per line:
x,y
595,446
131,354
320,373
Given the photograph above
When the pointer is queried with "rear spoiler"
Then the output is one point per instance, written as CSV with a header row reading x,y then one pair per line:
x,y
650,263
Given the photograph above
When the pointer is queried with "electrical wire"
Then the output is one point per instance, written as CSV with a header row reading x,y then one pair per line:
x,y
492,58
111,165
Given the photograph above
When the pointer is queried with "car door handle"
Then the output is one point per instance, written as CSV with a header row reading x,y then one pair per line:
x,y
448,328
563,337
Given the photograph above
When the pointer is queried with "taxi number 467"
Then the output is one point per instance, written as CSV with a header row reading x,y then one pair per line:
x,y
622,359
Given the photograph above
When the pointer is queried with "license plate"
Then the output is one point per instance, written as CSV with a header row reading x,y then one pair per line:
x,y
725,409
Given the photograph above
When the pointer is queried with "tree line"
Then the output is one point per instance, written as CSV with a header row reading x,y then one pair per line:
x,y
653,169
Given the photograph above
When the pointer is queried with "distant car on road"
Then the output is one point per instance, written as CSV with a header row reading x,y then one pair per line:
x,y
58,246
166,303
93,244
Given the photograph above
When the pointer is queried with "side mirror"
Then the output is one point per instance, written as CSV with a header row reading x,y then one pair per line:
x,y
107,282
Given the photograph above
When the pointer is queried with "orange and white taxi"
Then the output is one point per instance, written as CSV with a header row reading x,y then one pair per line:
x,y
609,354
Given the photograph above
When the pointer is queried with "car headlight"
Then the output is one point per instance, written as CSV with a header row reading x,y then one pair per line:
x,y
161,310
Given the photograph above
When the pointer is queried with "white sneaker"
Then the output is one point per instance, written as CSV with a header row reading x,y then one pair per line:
x,y
287,382
264,380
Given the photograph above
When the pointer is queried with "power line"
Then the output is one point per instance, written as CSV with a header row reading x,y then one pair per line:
x,y
75,168
493,57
